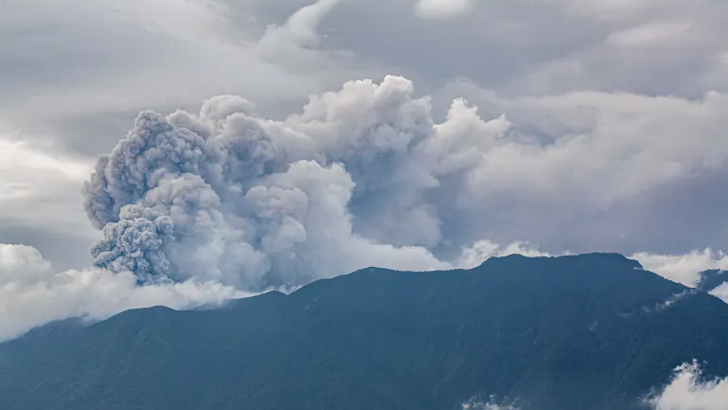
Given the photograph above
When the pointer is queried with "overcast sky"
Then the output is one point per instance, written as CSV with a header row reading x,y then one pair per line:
x,y
538,126
641,82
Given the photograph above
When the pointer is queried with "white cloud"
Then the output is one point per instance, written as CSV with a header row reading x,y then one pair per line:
x,y
443,9
651,34
294,45
303,25
633,140
37,185
685,268
721,292
107,57
479,404
613,167
482,250
32,293
689,391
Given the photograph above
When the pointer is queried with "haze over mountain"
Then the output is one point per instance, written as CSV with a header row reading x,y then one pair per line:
x,y
588,332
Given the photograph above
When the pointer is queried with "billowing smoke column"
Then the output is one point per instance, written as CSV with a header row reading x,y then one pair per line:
x,y
225,195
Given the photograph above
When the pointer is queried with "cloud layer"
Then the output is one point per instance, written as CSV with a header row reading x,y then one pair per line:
x,y
33,293
686,268
689,390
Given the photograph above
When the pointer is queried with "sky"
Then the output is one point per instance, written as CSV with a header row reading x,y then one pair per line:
x,y
284,141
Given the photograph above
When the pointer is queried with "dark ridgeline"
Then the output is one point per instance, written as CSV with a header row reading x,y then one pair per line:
x,y
587,332
712,279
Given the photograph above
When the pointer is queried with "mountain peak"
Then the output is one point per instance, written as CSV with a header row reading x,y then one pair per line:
x,y
612,258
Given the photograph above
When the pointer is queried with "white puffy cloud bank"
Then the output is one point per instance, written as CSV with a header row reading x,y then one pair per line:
x,y
689,390
32,293
685,268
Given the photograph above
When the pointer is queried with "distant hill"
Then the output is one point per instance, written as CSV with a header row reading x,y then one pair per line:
x,y
588,332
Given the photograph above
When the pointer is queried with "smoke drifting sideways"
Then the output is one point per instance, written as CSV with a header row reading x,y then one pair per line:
x,y
253,203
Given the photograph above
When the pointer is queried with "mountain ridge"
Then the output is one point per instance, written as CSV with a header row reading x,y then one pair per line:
x,y
560,333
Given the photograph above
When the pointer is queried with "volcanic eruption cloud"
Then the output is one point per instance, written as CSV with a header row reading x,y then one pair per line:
x,y
355,179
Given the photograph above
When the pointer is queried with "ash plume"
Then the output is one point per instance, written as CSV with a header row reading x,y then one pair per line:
x,y
365,176
229,196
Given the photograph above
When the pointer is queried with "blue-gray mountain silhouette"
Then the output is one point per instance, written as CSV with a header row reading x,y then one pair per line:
x,y
589,332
